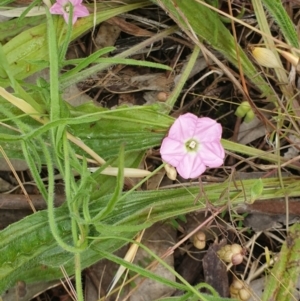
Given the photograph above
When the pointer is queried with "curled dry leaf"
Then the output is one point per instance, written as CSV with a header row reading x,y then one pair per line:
x,y
215,273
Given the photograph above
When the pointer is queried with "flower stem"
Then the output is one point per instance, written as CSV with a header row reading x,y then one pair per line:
x,y
78,281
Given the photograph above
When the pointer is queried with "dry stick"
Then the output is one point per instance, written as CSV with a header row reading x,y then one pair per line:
x,y
18,179
87,149
16,201
237,52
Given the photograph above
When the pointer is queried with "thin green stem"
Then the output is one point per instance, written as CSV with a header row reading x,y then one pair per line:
x,y
178,89
67,181
67,40
160,261
50,199
78,281
54,70
140,183
34,171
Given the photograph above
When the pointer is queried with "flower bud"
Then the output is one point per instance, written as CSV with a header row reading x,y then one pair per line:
x,y
265,57
249,116
242,109
225,253
231,253
237,259
199,240
238,290
171,172
294,60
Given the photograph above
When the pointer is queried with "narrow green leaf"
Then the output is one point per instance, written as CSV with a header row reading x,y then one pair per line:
x,y
283,277
209,27
83,63
13,27
28,245
140,270
284,21
55,107
103,63
256,191
107,63
118,190
30,46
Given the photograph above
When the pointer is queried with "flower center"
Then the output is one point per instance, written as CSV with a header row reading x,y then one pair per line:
x,y
67,7
192,145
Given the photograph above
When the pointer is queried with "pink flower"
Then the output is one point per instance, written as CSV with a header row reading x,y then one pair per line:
x,y
193,144
62,7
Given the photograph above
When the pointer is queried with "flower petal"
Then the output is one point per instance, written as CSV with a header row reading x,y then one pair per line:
x,y
191,166
66,17
81,11
184,127
74,19
212,154
76,2
209,153
208,130
56,9
172,151
62,2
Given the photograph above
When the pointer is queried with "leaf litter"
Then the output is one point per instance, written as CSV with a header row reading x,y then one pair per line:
x,y
215,96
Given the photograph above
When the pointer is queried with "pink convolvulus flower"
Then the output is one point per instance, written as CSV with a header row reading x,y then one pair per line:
x,y
62,7
193,144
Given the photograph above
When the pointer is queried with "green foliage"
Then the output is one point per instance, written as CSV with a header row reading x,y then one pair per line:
x,y
97,217
256,190
284,21
189,297
207,25
139,128
14,27
26,50
30,248
281,282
